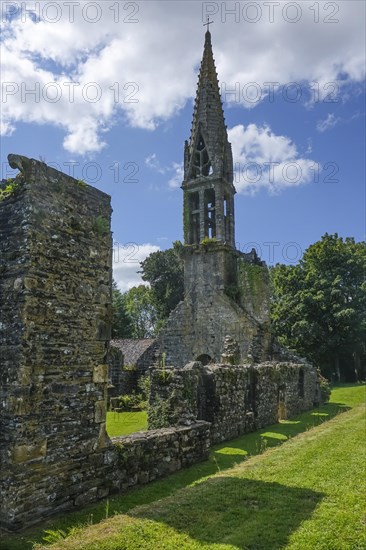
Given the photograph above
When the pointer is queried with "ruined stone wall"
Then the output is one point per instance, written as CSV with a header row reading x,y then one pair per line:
x,y
197,328
121,380
55,284
234,399
217,304
55,313
145,456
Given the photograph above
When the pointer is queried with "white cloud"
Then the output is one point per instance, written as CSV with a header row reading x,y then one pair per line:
x,y
177,179
327,123
140,72
152,162
263,159
126,263
175,168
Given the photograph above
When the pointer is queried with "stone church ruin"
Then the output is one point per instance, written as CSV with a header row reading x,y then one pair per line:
x,y
220,373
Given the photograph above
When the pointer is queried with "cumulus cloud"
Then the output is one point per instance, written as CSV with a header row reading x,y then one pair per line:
x,y
175,169
126,263
263,159
152,162
125,63
327,123
177,179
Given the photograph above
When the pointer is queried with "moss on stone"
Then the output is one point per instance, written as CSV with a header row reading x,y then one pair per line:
x,y
255,279
100,225
185,218
9,187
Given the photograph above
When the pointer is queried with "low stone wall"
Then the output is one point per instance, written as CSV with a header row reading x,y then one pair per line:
x,y
145,456
234,399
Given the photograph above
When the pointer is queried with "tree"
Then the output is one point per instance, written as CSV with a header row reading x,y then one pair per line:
x,y
142,311
122,322
319,306
164,271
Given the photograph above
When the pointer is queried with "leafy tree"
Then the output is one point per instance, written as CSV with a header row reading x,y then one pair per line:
x,y
141,308
164,271
122,322
319,305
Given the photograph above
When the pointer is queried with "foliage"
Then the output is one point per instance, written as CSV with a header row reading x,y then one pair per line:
x,y
100,225
160,415
51,536
131,401
122,322
8,189
325,390
140,306
233,291
164,271
206,241
319,305
144,385
251,505
134,313
81,183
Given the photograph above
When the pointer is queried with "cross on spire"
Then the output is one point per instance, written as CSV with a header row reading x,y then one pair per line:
x,y
208,23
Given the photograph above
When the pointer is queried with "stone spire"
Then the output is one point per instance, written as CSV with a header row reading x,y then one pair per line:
x,y
208,151
208,164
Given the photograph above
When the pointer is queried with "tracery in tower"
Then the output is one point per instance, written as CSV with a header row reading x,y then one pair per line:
x,y
202,164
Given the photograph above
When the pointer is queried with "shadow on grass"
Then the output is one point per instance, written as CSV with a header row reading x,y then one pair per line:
x,y
242,512
222,456
227,455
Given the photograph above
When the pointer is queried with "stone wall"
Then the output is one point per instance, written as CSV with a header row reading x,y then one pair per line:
x,y
234,399
145,456
121,380
128,360
55,317
226,294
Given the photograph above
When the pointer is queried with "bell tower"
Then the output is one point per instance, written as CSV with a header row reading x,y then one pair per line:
x,y
208,164
219,304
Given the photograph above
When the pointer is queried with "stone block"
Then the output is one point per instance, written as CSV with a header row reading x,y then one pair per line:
x,y
24,453
100,411
100,374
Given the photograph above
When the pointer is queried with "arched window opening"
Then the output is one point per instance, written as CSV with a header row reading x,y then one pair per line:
x,y
210,213
204,358
202,165
194,218
301,383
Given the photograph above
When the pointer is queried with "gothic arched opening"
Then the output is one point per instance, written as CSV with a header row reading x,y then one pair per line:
x,y
210,213
202,162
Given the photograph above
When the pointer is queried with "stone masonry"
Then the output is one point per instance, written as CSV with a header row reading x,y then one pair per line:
x,y
219,300
234,399
55,286
55,304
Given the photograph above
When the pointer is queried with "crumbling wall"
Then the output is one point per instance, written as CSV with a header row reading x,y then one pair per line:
x,y
146,456
226,294
55,280
55,313
234,399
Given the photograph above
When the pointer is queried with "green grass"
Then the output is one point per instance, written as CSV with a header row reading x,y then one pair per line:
x,y
126,423
302,495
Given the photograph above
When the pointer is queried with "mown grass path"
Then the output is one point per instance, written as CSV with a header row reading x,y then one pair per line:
x,y
304,494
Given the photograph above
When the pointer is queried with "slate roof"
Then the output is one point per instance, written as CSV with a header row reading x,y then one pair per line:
x,y
133,349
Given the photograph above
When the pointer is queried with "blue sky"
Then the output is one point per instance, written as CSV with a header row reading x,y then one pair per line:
x,y
113,89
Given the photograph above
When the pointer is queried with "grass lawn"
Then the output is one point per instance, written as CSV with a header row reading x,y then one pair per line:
x,y
126,423
305,494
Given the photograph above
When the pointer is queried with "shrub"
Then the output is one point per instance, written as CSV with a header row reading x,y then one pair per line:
x,y
324,388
